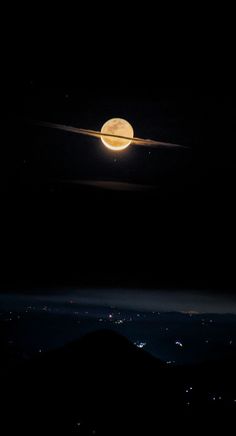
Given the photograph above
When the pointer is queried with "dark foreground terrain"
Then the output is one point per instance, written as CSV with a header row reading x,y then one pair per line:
x,y
104,385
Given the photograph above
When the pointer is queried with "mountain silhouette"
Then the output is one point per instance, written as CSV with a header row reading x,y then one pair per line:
x,y
103,384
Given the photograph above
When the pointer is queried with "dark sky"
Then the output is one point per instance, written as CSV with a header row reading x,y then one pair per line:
x,y
158,219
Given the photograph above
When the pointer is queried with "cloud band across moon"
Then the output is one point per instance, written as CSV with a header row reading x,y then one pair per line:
x,y
97,134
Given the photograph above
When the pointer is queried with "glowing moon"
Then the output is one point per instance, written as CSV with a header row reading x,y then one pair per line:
x,y
119,127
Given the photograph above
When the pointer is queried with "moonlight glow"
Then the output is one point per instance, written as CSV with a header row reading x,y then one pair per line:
x,y
119,127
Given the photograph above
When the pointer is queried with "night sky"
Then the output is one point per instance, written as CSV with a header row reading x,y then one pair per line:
x,y
76,212
117,271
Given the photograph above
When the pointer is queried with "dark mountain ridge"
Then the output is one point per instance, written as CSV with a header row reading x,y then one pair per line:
x,y
104,384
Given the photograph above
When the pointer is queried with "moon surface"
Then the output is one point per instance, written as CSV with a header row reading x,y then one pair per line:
x,y
119,127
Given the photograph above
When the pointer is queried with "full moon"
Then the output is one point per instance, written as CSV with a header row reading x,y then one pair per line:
x,y
119,127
